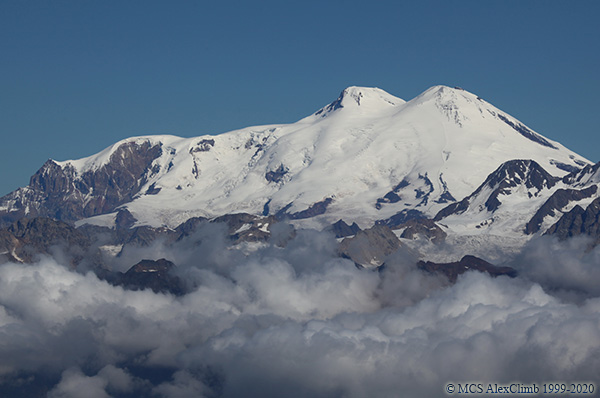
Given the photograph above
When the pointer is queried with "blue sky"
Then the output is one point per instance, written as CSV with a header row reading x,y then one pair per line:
x,y
78,76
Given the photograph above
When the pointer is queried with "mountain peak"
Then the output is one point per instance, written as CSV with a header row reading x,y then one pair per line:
x,y
512,174
365,98
444,95
368,154
521,171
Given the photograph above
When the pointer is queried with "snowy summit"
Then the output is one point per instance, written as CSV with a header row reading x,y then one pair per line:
x,y
366,156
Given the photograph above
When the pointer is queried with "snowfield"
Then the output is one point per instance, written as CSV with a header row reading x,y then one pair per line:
x,y
430,151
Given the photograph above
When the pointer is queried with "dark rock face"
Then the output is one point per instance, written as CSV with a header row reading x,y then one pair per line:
x,y
276,175
401,218
341,229
25,239
188,227
203,146
337,104
446,196
144,235
52,179
527,172
124,219
454,208
152,190
368,248
566,167
8,247
510,174
266,209
452,270
149,274
392,196
579,222
244,227
514,173
422,227
525,132
581,176
316,209
424,194
569,225
44,231
557,201
60,193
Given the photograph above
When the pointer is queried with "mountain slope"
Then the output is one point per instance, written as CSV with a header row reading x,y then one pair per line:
x,y
506,197
516,202
366,156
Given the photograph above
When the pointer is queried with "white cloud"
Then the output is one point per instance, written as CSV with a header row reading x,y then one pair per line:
x,y
291,321
74,384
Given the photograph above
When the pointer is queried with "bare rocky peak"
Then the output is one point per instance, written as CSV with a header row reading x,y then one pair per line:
x,y
556,202
526,173
58,191
453,269
369,247
579,221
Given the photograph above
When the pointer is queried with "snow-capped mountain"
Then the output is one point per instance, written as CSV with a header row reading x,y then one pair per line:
x,y
367,156
520,200
506,197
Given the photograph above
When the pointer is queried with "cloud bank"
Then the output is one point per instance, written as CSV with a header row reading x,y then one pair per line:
x,y
295,322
